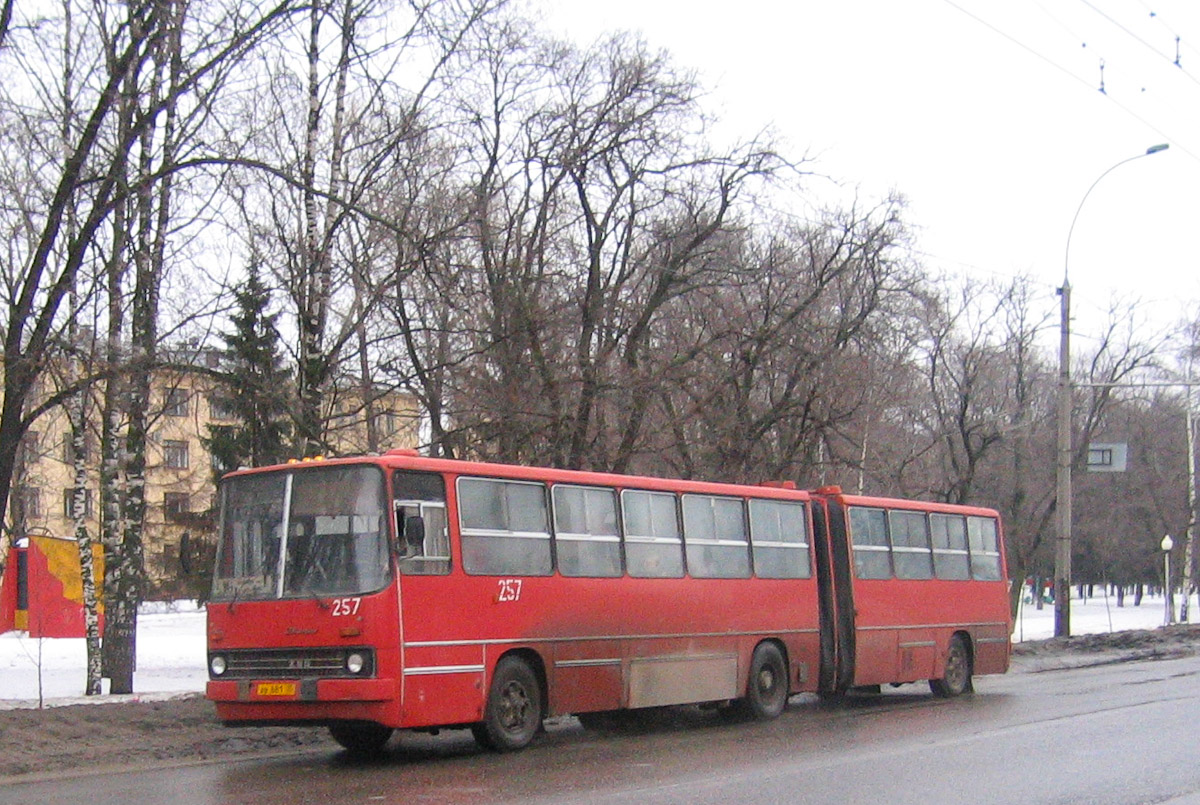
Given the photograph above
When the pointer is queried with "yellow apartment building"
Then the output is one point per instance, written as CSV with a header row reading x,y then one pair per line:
x,y
180,472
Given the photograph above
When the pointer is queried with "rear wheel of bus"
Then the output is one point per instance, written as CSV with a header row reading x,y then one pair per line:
x,y
513,713
767,686
957,672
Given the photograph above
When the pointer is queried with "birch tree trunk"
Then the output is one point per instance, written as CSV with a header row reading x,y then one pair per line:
x,y
314,285
77,415
153,214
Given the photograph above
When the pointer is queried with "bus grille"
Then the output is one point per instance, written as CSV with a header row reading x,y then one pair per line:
x,y
292,663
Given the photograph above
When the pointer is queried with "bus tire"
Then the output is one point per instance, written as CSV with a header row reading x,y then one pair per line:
x,y
957,671
513,714
361,737
767,686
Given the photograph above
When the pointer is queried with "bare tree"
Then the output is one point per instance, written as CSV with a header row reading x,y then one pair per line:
x,y
770,349
1122,516
985,421
118,115
357,114
596,204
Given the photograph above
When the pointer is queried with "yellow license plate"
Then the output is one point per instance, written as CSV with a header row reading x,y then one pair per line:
x,y
276,689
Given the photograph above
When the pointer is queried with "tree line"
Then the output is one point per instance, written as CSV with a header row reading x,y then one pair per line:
x,y
544,243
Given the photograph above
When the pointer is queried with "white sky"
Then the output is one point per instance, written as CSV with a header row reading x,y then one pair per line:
x,y
986,115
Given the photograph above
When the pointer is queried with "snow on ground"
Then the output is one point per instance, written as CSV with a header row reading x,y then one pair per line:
x,y
1098,615
171,651
170,659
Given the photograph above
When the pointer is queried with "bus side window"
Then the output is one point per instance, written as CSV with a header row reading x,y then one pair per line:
x,y
585,531
414,534
714,537
910,545
984,539
779,536
505,527
420,510
950,559
424,543
868,534
653,547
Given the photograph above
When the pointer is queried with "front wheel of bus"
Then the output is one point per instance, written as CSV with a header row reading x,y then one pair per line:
x,y
514,708
361,738
957,673
767,687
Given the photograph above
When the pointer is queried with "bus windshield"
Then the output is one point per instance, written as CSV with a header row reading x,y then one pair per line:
x,y
307,532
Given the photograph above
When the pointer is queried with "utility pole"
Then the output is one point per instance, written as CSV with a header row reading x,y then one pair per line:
x,y
1062,543
1189,539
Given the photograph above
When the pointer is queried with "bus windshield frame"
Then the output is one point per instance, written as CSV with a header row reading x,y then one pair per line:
x,y
337,539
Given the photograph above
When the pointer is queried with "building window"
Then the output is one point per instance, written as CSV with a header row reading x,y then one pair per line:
x,y
222,437
29,499
170,555
221,408
31,447
176,402
68,449
175,455
69,503
386,424
175,504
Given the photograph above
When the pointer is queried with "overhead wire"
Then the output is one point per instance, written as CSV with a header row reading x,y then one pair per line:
x,y
1180,42
1175,142
1018,43
1124,29
1070,31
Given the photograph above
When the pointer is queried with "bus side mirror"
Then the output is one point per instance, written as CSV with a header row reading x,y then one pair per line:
x,y
414,535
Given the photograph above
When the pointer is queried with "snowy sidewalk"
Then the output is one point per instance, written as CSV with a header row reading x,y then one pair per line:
x,y
170,661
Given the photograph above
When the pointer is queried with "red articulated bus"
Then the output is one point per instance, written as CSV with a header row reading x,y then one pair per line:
x,y
396,591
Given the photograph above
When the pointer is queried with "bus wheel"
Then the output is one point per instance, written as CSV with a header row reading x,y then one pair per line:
x,y
767,688
957,679
514,708
361,737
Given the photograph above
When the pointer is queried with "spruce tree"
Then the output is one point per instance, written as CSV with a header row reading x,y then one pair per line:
x,y
257,384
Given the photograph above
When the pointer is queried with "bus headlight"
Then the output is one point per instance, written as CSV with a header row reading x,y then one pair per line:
x,y
217,665
355,662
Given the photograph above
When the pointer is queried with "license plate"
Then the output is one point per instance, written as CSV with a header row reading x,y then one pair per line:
x,y
275,689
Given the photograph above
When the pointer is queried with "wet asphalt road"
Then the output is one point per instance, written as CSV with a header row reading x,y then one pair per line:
x,y
1112,734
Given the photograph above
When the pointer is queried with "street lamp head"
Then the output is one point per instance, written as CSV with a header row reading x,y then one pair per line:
x,y
1154,149
1167,543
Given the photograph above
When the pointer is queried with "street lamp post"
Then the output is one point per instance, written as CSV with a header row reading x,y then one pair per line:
x,y
1062,545
1167,544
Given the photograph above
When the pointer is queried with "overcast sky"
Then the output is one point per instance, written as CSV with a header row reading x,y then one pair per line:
x,y
986,115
